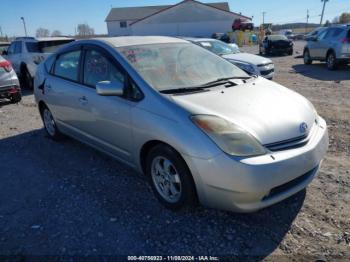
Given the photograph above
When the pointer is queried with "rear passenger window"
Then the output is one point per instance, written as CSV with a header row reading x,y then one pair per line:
x,y
67,65
337,32
98,68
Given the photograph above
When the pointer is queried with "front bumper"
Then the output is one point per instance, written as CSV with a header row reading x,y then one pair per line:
x,y
267,71
281,50
250,184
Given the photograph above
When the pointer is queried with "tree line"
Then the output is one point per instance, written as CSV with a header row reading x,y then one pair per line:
x,y
82,30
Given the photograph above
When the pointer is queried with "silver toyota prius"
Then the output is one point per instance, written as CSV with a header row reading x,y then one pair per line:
x,y
196,125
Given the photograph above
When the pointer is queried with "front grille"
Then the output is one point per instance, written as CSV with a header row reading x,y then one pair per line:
x,y
289,185
288,144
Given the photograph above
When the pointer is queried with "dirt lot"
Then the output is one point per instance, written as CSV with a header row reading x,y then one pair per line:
x,y
67,199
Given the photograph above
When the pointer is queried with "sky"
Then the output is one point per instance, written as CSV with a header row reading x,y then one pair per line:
x,y
64,15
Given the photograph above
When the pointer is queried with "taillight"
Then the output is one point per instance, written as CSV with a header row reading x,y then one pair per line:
x,y
6,65
345,40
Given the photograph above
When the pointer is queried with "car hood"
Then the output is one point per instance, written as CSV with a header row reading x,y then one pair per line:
x,y
245,57
269,111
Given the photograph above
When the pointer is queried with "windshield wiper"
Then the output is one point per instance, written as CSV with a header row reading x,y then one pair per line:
x,y
223,80
219,81
183,90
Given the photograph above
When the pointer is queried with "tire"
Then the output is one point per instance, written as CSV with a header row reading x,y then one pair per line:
x,y
307,57
331,61
290,52
170,178
50,124
16,98
26,78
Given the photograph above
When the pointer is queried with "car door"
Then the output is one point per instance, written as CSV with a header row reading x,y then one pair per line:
x,y
317,47
105,119
62,89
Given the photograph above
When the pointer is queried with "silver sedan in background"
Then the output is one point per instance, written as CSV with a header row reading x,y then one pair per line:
x,y
198,126
9,84
249,63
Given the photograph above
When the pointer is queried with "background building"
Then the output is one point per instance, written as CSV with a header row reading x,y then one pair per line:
x,y
187,18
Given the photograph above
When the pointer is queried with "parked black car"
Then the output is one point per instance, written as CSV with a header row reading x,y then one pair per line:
x,y
221,36
276,44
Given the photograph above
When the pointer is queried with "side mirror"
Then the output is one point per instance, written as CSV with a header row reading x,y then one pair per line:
x,y
4,52
108,88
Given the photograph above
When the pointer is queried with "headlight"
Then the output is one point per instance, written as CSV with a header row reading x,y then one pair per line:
x,y
249,68
229,137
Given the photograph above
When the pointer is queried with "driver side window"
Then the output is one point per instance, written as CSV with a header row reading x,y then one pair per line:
x,y
98,68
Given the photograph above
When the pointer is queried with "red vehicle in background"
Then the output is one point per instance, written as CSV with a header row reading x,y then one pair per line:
x,y
242,24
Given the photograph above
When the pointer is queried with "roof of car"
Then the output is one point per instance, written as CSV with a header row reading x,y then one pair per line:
x,y
41,39
139,40
54,38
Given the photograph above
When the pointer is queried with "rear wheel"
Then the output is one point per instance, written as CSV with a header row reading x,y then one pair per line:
x,y
50,124
26,78
331,61
170,178
307,57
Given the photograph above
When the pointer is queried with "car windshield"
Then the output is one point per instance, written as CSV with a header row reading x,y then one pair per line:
x,y
277,37
46,46
220,48
178,65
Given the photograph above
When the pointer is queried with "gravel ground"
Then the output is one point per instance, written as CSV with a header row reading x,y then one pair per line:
x,y
67,199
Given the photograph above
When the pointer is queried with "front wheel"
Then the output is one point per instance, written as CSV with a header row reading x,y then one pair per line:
x,y
307,57
170,178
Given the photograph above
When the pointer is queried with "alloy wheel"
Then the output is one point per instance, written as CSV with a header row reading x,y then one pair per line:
x,y
49,122
166,179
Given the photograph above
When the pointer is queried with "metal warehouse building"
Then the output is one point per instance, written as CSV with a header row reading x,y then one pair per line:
x,y
187,18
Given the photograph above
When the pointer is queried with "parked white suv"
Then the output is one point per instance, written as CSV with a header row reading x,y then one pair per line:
x,y
25,53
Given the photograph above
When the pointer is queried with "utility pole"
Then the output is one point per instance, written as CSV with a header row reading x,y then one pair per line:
x,y
324,7
263,13
1,31
307,20
24,25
